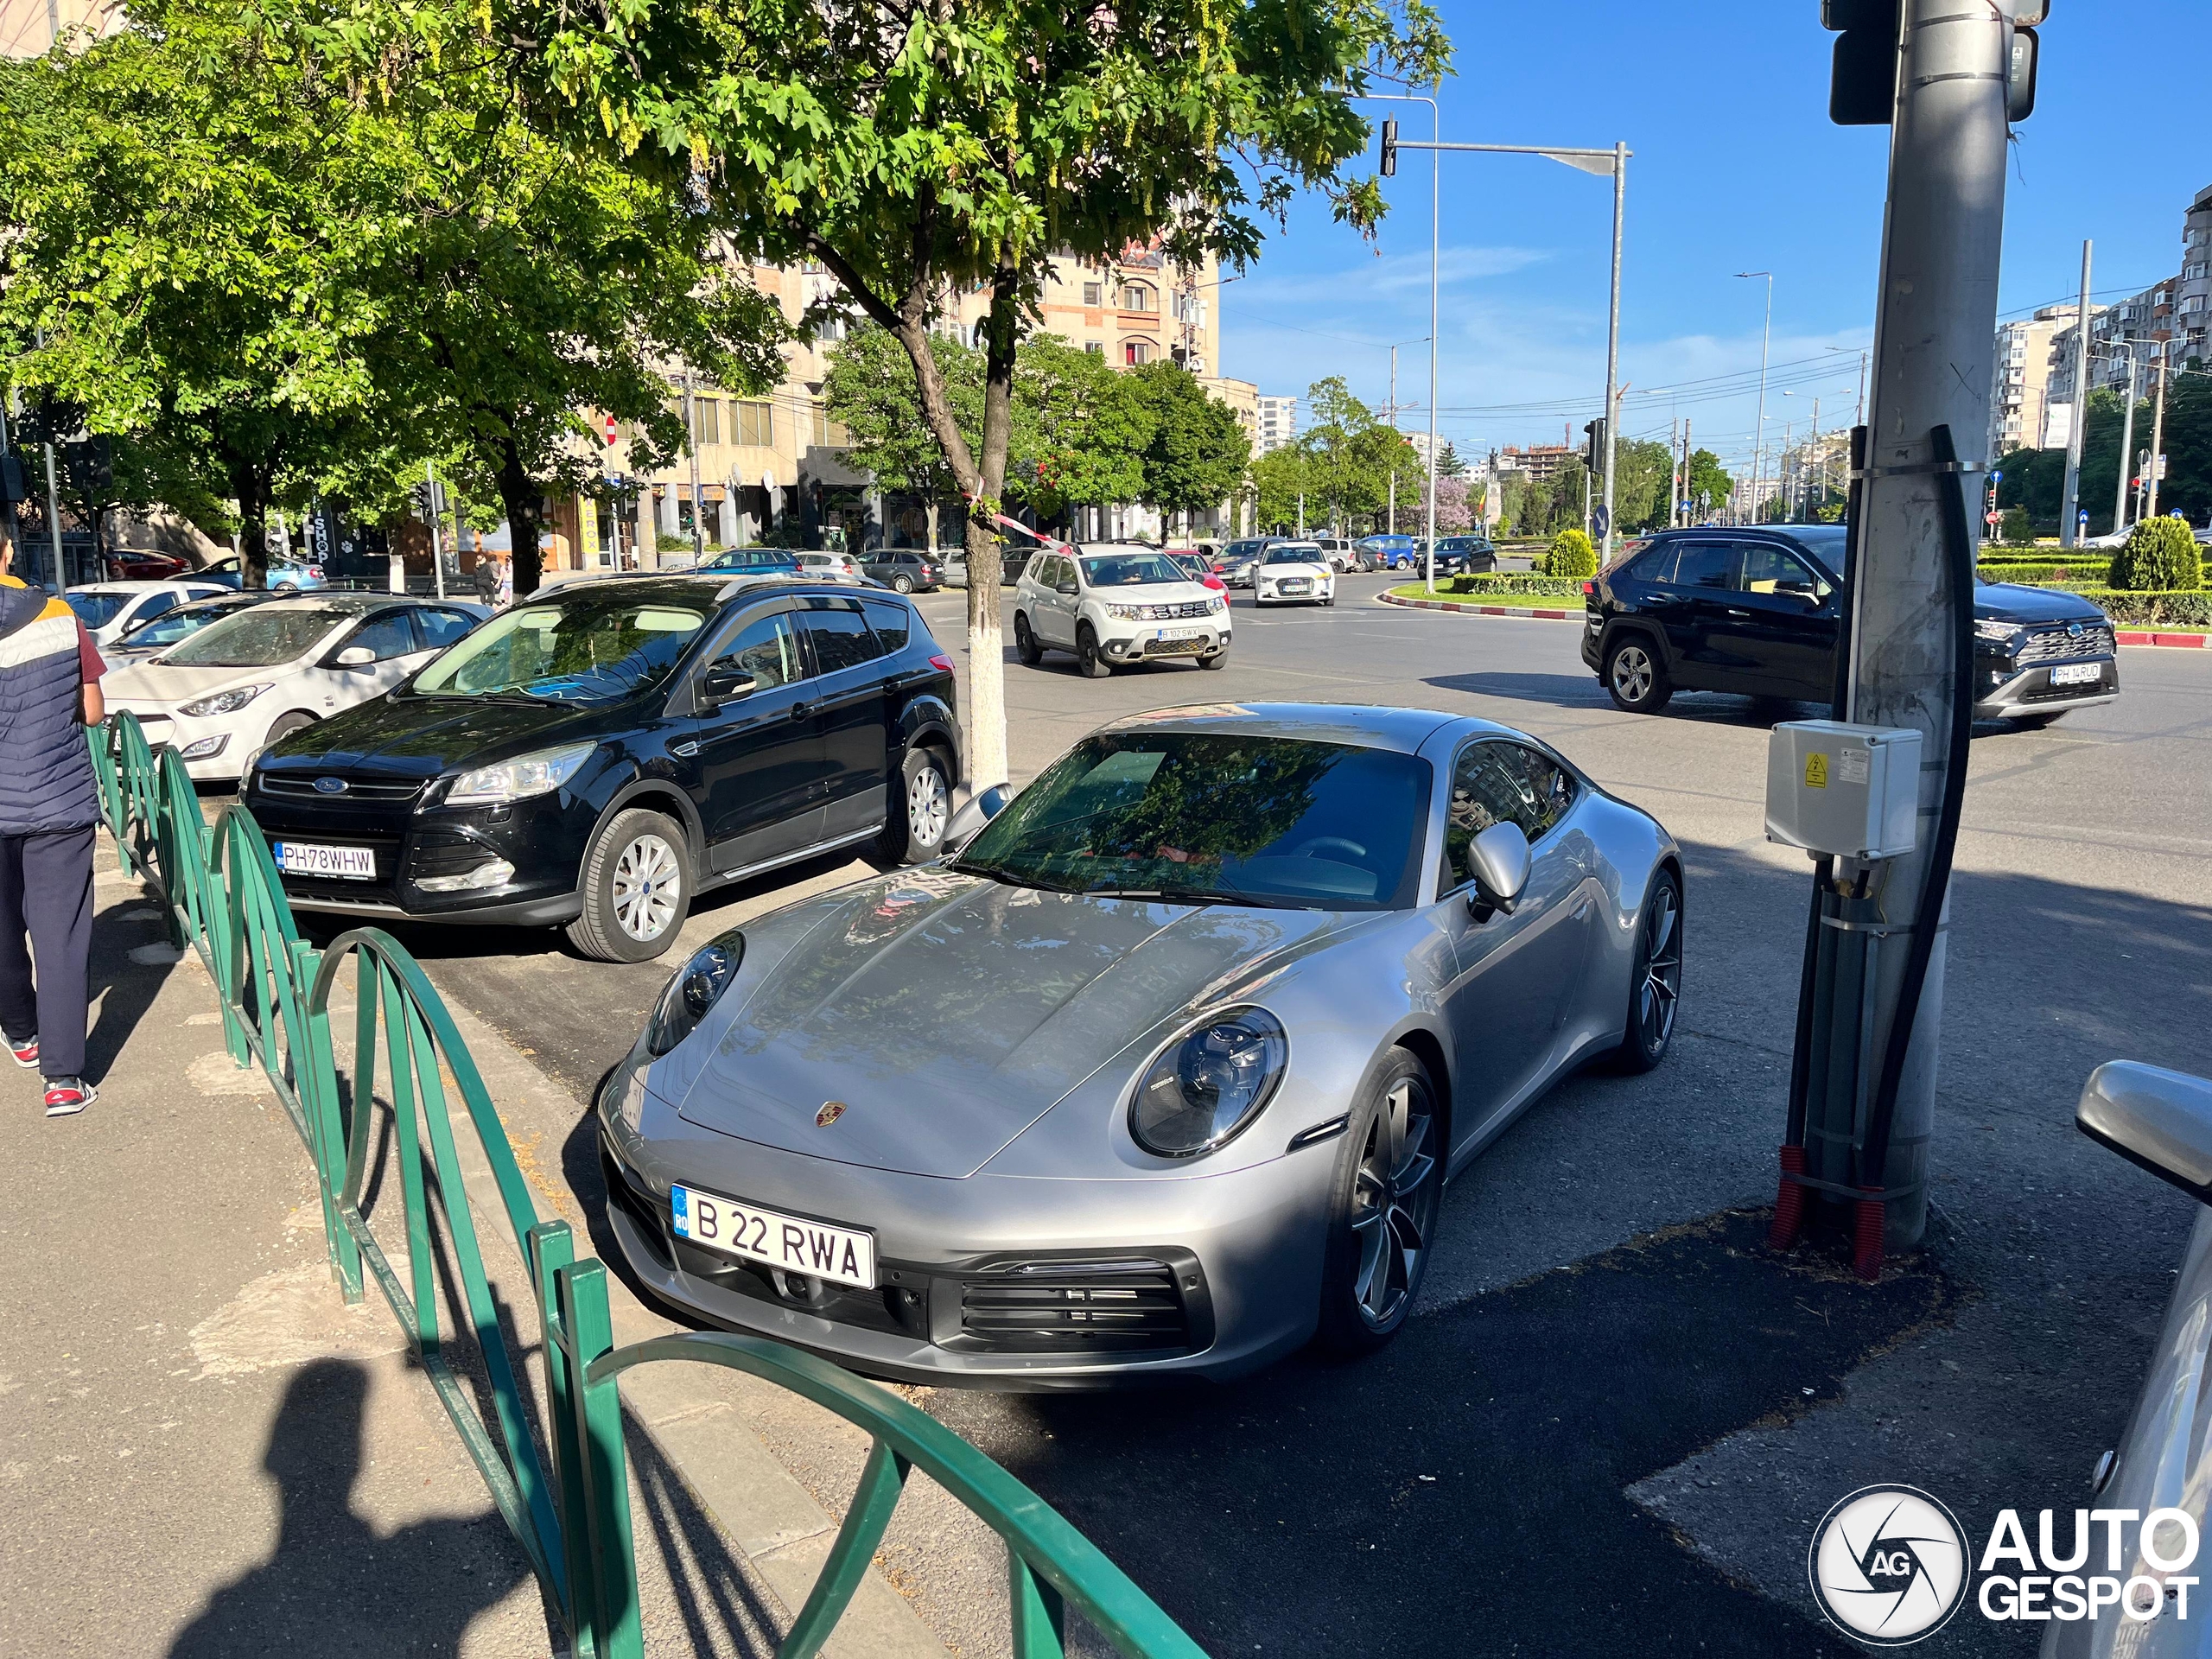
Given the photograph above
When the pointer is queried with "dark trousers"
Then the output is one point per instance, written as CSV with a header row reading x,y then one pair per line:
x,y
46,891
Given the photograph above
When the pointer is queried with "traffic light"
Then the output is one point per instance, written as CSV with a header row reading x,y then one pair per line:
x,y
429,502
1862,87
1390,149
1593,452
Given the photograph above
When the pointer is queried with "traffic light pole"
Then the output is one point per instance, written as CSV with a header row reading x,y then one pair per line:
x,y
1909,649
2068,531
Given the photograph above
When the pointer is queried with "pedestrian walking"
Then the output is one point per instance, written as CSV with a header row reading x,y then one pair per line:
x,y
49,806
487,578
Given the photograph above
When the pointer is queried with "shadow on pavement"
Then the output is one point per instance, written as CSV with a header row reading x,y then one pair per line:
x,y
335,1584
121,990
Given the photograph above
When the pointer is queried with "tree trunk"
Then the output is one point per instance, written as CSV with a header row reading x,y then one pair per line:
x,y
519,496
249,485
931,510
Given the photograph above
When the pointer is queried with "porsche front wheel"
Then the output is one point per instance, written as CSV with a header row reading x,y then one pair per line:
x,y
1384,1206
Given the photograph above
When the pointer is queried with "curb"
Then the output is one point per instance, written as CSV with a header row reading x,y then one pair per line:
x,y
1480,610
2122,636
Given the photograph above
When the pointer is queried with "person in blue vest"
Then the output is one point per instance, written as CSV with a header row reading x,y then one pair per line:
x,y
49,692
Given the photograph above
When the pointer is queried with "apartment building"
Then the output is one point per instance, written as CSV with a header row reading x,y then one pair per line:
x,y
2020,389
29,28
1278,425
1540,462
2176,313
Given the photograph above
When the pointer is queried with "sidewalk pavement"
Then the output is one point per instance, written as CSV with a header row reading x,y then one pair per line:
x,y
203,1451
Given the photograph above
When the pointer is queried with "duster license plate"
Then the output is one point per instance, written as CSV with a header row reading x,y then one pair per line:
x,y
844,1256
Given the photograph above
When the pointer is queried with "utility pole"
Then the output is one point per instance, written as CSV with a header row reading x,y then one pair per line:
x,y
1393,524
2149,473
1674,474
1759,440
2127,443
1689,487
437,545
2071,511
1868,1105
1613,350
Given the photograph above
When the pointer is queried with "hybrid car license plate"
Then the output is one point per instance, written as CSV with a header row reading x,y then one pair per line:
x,y
841,1255
2077,674
311,858
1295,584
1180,633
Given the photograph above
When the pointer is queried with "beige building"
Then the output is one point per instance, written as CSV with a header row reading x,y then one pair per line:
x,y
2020,390
29,28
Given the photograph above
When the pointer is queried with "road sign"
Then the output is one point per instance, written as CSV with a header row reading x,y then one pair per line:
x,y
1994,517
610,431
1600,521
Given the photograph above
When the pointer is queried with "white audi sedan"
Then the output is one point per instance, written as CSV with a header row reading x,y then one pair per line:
x,y
1294,573
225,693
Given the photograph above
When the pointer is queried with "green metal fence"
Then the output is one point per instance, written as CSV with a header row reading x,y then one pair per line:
x,y
567,1503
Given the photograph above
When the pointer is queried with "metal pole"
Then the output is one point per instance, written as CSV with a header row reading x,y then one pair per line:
x,y
2127,443
2067,535
1689,462
691,443
437,545
1935,330
1613,347
53,522
1758,438
1435,264
2149,473
1392,526
8,522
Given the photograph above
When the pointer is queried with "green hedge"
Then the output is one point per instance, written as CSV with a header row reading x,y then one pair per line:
x,y
1571,554
1515,582
2160,554
2163,610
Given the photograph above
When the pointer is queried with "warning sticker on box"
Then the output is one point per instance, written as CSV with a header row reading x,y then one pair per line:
x,y
1851,764
1816,771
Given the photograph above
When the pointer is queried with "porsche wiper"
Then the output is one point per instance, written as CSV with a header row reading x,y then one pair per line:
x,y
1000,874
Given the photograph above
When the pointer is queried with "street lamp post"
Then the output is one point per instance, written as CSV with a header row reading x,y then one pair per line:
x,y
1758,441
1600,162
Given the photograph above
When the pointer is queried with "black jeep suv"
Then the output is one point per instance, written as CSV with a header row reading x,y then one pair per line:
x,y
606,750
1756,610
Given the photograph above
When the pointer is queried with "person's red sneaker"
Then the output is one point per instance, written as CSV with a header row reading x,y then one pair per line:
x,y
66,1097
25,1051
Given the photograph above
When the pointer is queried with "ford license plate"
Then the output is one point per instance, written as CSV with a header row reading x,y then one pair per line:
x,y
312,858
2077,674
843,1256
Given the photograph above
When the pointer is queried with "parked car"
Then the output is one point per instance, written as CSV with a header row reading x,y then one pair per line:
x,y
1237,561
144,564
905,571
239,685
1113,603
603,752
1309,960
1342,554
1389,553
1755,611
748,561
1198,567
110,609
1294,573
151,638
284,575
1461,556
2161,1121
832,567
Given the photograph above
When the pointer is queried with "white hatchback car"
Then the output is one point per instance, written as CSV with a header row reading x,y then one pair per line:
x,y
110,609
224,694
1293,573
1112,603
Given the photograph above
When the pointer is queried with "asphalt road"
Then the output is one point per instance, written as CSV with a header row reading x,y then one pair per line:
x,y
1594,1317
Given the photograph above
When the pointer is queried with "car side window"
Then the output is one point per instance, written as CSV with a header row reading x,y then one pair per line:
x,y
1765,570
891,621
1497,781
1704,564
766,649
155,603
387,636
841,639
440,628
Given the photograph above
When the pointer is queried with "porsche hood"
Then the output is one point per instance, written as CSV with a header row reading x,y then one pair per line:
x,y
947,1013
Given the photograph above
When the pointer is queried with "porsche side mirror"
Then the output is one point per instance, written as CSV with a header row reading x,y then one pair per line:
x,y
725,682
1497,859
2159,1120
355,657
970,818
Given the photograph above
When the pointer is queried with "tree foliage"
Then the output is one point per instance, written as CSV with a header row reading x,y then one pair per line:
x,y
1196,455
1573,555
1710,484
2159,556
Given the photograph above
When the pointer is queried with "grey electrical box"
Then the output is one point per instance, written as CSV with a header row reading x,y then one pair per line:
x,y
1850,790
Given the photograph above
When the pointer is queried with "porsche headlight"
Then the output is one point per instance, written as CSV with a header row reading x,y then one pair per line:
x,y
223,702
519,778
698,986
1205,1088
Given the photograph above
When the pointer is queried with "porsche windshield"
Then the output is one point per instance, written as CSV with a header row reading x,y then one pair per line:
x,y
596,647
1216,818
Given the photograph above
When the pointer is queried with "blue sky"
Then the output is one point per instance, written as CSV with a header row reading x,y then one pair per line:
x,y
1736,167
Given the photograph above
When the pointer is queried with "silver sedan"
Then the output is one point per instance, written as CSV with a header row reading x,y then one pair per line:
x,y
1162,1069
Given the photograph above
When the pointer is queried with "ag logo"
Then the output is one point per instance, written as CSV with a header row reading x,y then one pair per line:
x,y
1888,1565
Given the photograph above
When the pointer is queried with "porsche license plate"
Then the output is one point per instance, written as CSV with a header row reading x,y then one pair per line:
x,y
2077,674
844,1256
310,858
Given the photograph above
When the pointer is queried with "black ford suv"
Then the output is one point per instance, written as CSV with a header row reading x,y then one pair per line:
x,y
1756,610
606,750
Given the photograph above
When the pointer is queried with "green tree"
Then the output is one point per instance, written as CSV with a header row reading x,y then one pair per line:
x,y
919,155
1573,555
1081,430
1280,481
1197,452
870,388
1644,472
1448,464
1709,483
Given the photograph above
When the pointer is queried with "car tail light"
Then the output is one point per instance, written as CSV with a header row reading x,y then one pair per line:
x,y
941,663
314,572
1588,588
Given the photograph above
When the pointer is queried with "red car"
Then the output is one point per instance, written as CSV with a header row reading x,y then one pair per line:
x,y
144,564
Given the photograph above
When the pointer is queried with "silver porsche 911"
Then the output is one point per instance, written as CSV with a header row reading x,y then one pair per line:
x,y
1162,1069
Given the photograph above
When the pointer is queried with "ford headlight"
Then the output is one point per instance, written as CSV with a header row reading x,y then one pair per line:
x,y
1203,1090
698,986
519,778
224,703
